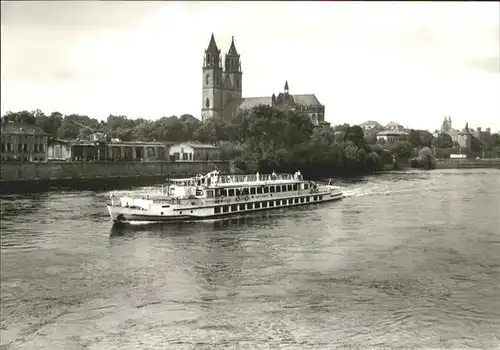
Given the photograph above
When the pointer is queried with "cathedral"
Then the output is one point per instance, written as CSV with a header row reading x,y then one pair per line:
x,y
222,90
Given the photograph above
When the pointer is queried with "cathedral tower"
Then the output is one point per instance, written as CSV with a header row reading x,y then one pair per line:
x,y
233,71
213,85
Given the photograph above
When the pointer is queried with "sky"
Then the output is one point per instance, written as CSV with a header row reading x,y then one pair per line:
x,y
408,62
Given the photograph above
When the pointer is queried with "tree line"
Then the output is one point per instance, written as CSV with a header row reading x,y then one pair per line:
x,y
273,138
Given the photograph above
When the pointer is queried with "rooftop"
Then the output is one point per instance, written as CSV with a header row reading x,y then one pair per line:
x,y
392,132
371,123
297,100
393,124
198,145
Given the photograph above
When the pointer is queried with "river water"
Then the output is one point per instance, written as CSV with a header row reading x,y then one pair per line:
x,y
406,260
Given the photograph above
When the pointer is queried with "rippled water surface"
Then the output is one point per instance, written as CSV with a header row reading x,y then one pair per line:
x,y
407,260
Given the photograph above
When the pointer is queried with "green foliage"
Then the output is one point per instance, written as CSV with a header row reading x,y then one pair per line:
x,y
286,141
420,138
495,138
403,150
267,137
424,160
443,141
22,117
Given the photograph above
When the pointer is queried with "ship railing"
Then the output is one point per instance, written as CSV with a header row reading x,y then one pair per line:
x,y
229,179
150,192
236,199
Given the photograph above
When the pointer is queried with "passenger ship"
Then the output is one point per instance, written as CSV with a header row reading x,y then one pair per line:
x,y
216,196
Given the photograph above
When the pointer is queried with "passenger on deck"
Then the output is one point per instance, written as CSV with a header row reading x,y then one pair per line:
x,y
273,175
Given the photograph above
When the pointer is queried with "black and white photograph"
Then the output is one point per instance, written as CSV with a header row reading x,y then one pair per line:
x,y
250,175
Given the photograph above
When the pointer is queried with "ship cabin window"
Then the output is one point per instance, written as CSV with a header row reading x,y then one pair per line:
x,y
290,201
306,186
259,190
242,206
271,203
278,188
290,188
225,209
234,207
210,193
295,187
283,188
302,199
264,204
257,205
308,199
252,190
315,198
272,189
296,200
249,205
231,192
320,198
223,193
217,210
266,189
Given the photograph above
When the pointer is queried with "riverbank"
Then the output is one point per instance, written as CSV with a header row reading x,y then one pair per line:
x,y
14,176
468,163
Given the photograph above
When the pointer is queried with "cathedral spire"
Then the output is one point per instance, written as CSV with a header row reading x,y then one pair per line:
x,y
232,49
212,54
286,87
232,62
212,46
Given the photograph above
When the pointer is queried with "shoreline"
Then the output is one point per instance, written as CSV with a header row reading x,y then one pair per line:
x,y
468,163
26,177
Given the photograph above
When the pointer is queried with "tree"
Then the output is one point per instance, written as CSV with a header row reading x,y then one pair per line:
x,y
272,138
414,137
341,127
403,149
71,125
486,140
425,138
420,138
496,140
443,141
356,135
50,124
371,139
22,117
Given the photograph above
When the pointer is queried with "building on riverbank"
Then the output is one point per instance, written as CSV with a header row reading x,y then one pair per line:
x,y
222,90
191,152
462,138
392,137
23,142
78,150
371,128
393,134
74,150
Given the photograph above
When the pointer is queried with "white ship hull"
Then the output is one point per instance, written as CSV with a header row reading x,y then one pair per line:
x,y
218,209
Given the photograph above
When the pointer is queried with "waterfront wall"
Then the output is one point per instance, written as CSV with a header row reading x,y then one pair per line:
x,y
22,172
467,163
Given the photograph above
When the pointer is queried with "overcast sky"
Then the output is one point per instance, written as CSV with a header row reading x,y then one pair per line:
x,y
412,63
